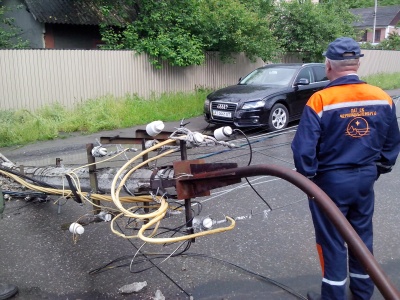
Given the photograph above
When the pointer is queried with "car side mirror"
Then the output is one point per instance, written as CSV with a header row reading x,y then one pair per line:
x,y
302,81
240,79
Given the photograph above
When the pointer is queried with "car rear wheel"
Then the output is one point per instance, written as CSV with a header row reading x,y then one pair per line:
x,y
279,117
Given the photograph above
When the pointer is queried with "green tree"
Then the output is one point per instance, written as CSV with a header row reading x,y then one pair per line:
x,y
9,33
391,43
181,31
308,28
231,26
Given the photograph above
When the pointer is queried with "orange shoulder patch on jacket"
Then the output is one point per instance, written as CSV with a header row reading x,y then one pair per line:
x,y
346,93
315,102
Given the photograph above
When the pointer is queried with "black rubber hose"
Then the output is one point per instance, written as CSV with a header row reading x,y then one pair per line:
x,y
325,203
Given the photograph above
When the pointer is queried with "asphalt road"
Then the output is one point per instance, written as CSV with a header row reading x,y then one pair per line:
x,y
268,255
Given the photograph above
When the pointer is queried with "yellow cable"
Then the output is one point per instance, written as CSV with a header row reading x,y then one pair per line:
x,y
123,235
154,217
115,192
181,238
68,193
101,161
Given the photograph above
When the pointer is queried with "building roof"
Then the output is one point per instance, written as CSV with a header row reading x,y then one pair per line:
x,y
77,12
385,16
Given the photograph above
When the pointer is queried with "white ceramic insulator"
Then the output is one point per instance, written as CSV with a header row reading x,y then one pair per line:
x,y
99,151
223,133
76,228
154,128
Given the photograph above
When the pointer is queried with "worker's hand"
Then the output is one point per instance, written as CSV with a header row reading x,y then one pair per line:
x,y
382,169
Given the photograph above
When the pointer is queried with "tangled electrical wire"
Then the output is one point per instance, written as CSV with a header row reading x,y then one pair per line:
x,y
148,210
145,216
153,207
153,218
134,261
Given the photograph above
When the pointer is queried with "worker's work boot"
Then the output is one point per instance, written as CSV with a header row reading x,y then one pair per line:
x,y
7,290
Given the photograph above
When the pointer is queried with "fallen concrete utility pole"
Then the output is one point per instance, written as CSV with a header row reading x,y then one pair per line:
x,y
55,176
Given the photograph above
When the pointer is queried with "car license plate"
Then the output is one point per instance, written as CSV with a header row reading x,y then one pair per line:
x,y
220,113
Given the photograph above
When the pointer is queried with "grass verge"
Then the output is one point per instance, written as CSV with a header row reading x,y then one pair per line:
x,y
384,81
22,127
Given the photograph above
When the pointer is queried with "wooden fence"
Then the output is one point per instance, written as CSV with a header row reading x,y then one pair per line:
x,y
30,79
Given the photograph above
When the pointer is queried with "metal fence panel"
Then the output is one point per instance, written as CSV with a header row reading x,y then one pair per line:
x,y
31,79
379,61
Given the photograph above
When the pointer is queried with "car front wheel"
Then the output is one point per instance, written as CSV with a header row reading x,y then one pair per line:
x,y
279,117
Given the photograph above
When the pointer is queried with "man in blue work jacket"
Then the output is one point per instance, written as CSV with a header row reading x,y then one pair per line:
x,y
347,136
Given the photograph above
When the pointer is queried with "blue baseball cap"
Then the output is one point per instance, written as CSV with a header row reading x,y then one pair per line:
x,y
343,48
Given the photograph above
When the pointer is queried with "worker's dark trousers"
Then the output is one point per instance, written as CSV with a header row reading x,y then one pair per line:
x,y
352,191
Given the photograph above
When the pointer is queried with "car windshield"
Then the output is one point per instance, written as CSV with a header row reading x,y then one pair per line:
x,y
269,76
